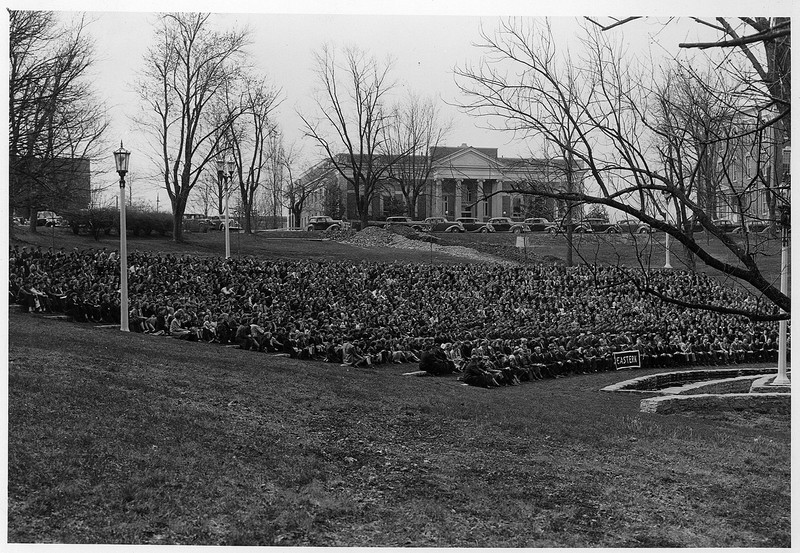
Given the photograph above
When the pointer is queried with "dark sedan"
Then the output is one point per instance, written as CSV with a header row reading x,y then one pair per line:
x,y
539,224
471,224
602,225
561,228
505,224
725,225
441,224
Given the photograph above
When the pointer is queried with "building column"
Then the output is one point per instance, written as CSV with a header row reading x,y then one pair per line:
x,y
437,207
341,182
458,203
480,206
497,199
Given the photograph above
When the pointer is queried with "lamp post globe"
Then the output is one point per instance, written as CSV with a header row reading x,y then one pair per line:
x,y
121,158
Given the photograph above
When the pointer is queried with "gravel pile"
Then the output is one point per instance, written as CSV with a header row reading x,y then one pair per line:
x,y
338,235
374,237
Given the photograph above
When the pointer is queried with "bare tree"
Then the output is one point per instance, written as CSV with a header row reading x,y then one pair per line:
x,y
416,130
299,191
351,118
252,140
55,122
187,69
276,174
204,195
616,126
765,71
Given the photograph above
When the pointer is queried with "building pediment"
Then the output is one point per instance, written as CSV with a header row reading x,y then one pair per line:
x,y
467,157
467,162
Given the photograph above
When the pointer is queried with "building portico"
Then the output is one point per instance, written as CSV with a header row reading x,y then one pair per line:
x,y
466,181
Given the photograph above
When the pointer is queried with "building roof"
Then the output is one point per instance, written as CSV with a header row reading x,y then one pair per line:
x,y
438,152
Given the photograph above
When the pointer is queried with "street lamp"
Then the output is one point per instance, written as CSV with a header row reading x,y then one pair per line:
x,y
224,172
667,264
785,221
121,158
231,167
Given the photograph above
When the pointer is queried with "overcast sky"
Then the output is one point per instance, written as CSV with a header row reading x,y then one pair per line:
x,y
426,40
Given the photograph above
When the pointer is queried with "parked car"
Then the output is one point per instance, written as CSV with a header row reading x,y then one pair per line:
x,y
441,224
405,221
725,225
505,224
753,227
217,222
324,222
194,223
602,225
633,226
561,228
471,224
538,224
49,219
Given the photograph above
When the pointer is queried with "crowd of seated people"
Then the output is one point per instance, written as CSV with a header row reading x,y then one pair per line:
x,y
511,323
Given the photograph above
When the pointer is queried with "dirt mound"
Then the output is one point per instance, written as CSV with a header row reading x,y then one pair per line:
x,y
338,234
376,237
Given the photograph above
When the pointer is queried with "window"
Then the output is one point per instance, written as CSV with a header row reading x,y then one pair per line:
x,y
787,158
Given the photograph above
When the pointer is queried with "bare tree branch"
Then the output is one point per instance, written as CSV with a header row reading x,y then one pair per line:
x,y
188,69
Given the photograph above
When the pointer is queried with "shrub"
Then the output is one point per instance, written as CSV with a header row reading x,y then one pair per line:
x,y
144,222
139,222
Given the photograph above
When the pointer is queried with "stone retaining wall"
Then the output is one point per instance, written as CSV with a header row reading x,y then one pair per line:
x,y
777,403
737,385
655,382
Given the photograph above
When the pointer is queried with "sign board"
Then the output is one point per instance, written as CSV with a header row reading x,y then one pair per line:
x,y
627,359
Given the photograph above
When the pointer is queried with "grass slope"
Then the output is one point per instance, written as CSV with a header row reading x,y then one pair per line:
x,y
286,245
604,249
127,438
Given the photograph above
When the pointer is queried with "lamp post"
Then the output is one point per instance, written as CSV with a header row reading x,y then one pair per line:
x,y
782,379
121,158
231,167
667,264
222,174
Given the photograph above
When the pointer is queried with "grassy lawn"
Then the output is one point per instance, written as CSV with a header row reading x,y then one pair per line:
x,y
130,438
631,251
285,245
136,439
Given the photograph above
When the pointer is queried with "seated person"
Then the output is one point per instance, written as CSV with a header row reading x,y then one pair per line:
x,y
434,361
476,375
177,330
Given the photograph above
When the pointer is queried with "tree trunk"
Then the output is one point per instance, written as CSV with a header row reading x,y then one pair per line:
x,y
248,225
178,209
32,212
362,206
411,204
568,223
296,212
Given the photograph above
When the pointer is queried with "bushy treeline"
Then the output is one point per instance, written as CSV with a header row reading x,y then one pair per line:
x,y
139,222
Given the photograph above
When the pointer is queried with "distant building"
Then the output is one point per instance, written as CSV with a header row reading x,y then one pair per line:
x,y
745,172
465,181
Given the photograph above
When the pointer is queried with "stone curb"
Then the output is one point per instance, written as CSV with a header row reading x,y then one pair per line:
x,y
774,403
